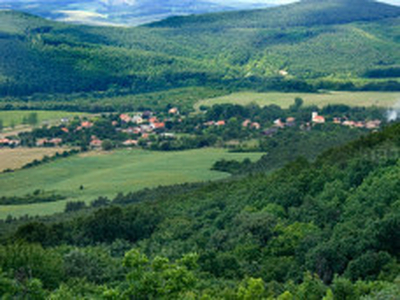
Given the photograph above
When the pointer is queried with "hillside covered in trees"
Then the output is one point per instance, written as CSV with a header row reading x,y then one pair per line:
x,y
307,231
336,44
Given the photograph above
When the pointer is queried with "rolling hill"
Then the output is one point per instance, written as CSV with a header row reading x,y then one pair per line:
x,y
302,46
323,230
118,12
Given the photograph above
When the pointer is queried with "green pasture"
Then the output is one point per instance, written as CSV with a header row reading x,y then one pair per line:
x,y
16,117
382,99
106,174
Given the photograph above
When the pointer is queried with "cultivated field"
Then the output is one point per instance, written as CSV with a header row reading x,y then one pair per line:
x,y
16,117
17,158
106,174
383,99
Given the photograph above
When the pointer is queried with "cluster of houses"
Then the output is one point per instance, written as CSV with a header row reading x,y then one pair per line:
x,y
142,124
318,119
145,124
5,142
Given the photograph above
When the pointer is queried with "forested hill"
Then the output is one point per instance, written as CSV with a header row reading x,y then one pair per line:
x,y
305,46
338,218
303,13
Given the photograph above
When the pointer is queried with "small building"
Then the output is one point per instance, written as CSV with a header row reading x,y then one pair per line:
x,y
220,123
317,119
130,143
349,123
283,73
158,125
137,120
5,142
65,130
86,124
375,124
246,123
42,142
125,118
255,125
278,123
337,120
56,141
96,143
173,111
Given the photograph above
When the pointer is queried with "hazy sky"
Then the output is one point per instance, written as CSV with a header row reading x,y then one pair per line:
x,y
286,1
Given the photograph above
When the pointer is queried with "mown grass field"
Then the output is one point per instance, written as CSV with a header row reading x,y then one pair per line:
x,y
106,174
16,117
17,158
382,99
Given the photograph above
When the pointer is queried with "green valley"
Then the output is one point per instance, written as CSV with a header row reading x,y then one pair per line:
x,y
238,155
106,174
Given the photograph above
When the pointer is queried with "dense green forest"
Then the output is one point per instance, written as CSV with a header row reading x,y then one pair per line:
x,y
333,44
329,229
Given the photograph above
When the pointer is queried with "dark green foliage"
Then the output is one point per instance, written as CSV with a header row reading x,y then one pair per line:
x,y
75,206
37,197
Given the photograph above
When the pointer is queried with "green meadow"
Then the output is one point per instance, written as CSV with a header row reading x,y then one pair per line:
x,y
16,117
284,100
106,174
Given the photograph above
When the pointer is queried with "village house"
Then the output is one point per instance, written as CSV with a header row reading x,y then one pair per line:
x,y
55,141
65,130
283,73
86,124
167,135
42,142
125,118
173,111
337,120
5,142
349,123
158,125
130,143
220,123
137,120
375,124
146,128
290,121
153,120
246,123
209,123
255,125
96,143
278,123
317,119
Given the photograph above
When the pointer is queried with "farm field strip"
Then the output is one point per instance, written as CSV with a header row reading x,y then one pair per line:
x,y
380,99
17,116
106,174
17,158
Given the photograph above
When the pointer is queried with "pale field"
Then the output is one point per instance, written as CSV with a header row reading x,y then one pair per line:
x,y
18,157
284,100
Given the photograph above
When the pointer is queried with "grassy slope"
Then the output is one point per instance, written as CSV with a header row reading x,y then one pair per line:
x,y
108,174
17,116
286,99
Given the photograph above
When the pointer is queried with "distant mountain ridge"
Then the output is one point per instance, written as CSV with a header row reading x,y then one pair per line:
x,y
118,12
303,13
